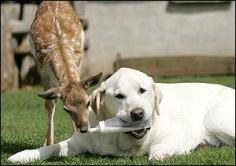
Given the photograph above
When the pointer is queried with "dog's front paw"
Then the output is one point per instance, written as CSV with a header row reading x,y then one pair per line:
x,y
158,156
157,153
24,156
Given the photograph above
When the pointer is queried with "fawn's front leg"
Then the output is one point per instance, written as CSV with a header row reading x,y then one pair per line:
x,y
50,106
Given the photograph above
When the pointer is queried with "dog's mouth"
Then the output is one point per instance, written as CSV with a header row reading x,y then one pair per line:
x,y
138,134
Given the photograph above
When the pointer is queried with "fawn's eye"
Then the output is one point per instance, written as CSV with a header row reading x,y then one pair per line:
x,y
120,96
66,109
142,90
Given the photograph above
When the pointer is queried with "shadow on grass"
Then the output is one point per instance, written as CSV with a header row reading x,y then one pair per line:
x,y
86,156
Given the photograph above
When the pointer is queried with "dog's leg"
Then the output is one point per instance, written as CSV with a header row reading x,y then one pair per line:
x,y
63,148
50,108
161,151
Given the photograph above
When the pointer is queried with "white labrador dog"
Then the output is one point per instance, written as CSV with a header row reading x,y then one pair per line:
x,y
183,115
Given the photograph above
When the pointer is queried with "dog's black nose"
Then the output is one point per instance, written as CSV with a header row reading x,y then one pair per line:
x,y
137,114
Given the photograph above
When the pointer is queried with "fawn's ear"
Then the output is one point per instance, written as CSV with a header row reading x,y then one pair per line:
x,y
91,81
51,94
97,98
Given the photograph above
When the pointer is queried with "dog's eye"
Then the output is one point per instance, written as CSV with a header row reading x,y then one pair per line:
x,y
141,90
67,110
120,96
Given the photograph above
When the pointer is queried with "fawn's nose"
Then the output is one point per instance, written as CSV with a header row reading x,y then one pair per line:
x,y
137,114
83,128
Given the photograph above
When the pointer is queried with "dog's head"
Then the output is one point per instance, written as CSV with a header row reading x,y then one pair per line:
x,y
128,94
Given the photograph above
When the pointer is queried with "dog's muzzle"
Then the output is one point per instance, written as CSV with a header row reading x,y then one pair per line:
x,y
138,134
137,115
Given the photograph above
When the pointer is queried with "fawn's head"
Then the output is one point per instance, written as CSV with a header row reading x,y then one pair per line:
x,y
75,99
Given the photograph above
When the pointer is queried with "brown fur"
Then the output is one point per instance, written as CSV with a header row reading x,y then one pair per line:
x,y
57,36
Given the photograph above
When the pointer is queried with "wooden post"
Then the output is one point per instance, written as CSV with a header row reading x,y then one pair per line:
x,y
9,70
21,28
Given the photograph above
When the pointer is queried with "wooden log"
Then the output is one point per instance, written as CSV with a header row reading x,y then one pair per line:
x,y
29,11
23,26
180,65
19,27
10,11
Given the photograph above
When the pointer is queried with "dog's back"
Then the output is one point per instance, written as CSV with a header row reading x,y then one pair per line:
x,y
205,108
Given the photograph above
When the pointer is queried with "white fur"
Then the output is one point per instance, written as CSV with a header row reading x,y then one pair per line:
x,y
189,114
82,39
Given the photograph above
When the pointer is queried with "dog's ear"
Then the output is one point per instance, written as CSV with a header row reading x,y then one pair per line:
x,y
51,93
158,97
96,98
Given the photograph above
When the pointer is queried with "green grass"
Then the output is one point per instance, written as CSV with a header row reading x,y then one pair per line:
x,y
23,124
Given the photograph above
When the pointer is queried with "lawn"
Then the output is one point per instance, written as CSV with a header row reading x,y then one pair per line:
x,y
23,124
